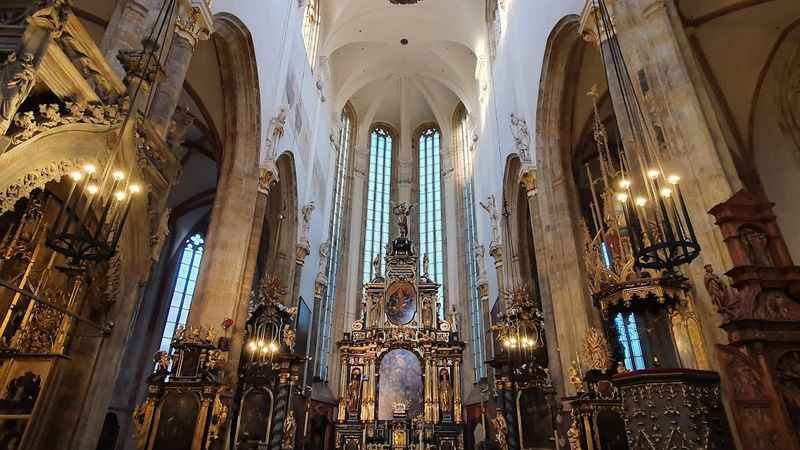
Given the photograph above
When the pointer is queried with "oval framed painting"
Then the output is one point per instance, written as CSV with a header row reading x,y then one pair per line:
x,y
401,302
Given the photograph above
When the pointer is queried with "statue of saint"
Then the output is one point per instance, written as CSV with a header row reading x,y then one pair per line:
x,y
445,391
17,77
376,267
720,295
402,212
426,262
494,217
354,391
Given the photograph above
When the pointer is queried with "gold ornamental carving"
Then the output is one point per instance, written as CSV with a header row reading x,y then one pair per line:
x,y
595,350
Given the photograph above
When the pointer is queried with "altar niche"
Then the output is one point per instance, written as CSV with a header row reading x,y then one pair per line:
x,y
400,380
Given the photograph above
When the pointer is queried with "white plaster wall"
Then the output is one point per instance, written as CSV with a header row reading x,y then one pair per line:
x,y
515,88
276,29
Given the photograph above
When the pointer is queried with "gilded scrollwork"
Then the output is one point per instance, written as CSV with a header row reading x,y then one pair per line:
x,y
596,350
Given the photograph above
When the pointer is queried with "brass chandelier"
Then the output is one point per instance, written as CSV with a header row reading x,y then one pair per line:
x,y
655,217
91,219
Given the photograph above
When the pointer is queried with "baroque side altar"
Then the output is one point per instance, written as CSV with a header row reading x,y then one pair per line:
x,y
400,379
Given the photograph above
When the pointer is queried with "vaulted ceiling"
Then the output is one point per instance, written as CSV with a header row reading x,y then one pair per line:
x,y
437,57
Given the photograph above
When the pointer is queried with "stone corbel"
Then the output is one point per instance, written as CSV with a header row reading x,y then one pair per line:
x,y
267,176
303,249
527,178
321,282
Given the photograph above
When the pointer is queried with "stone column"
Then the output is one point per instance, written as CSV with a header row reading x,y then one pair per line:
x,y
18,73
528,180
129,24
191,26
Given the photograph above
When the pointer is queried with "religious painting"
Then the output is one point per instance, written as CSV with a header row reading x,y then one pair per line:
x,y
177,422
400,382
255,418
401,302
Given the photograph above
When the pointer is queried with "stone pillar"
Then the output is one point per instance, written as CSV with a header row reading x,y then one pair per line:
x,y
191,26
496,251
18,73
129,24
528,180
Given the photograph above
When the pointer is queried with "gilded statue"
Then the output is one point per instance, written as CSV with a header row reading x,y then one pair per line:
x,y
289,337
288,431
445,391
354,391
500,430
574,436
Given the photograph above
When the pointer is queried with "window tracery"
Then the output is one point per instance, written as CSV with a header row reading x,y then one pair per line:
x,y
464,142
376,233
183,287
346,128
431,229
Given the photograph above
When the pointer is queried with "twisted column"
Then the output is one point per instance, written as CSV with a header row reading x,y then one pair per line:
x,y
279,415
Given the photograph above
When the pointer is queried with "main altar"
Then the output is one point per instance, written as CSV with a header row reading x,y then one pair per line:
x,y
400,379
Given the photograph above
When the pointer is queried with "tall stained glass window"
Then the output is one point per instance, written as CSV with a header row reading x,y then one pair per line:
x,y
431,230
334,252
183,287
628,335
376,233
468,197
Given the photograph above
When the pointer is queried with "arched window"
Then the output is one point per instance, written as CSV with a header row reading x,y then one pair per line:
x,y
628,336
463,141
183,287
311,31
376,232
335,236
431,230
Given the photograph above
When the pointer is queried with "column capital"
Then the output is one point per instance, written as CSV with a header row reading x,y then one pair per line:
x,y
196,23
588,27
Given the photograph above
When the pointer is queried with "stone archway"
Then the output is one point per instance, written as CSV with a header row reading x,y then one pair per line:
x,y
223,285
561,257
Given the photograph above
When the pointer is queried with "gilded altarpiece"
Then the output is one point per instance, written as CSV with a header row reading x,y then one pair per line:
x,y
400,380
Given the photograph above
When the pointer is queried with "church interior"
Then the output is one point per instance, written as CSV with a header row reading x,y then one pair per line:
x,y
399,224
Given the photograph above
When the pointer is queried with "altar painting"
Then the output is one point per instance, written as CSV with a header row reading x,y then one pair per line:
x,y
401,305
400,381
